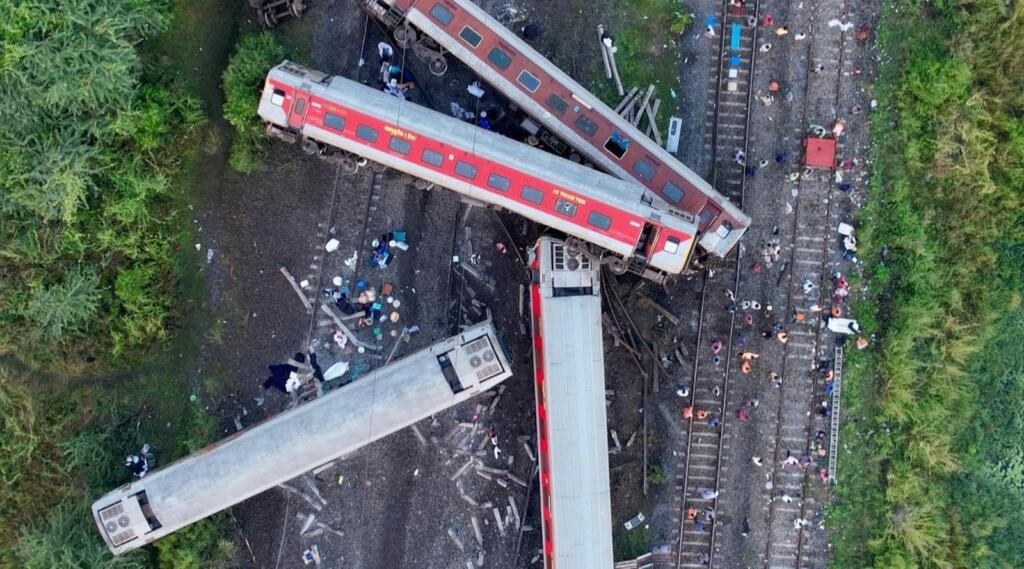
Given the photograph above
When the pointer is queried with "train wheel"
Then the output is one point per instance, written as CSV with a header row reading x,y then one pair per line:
x,y
378,167
421,184
405,36
349,165
438,65
255,3
270,19
617,265
310,146
297,7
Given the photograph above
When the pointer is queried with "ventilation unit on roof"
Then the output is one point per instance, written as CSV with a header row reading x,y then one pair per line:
x,y
478,359
124,521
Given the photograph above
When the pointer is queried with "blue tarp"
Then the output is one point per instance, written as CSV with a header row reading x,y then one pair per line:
x,y
734,38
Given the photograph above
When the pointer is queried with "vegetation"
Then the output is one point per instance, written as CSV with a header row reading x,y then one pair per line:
x,y
646,34
57,456
92,162
933,477
243,84
86,155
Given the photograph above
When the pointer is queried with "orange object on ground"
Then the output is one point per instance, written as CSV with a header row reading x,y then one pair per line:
x,y
745,368
819,152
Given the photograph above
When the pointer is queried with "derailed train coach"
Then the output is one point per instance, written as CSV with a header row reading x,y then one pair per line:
x,y
228,472
333,114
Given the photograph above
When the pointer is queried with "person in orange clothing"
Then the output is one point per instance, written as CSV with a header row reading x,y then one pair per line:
x,y
688,412
746,367
702,414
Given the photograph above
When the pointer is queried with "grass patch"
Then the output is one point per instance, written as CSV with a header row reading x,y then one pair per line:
x,y
930,474
646,33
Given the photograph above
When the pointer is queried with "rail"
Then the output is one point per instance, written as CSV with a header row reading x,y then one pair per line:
x,y
733,188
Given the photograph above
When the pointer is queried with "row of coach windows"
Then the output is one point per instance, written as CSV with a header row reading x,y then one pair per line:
x,y
502,184
497,56
555,103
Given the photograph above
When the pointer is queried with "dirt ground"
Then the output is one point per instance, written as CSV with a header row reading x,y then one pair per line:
x,y
395,503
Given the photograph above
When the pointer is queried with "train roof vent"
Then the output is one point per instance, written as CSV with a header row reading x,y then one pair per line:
x,y
124,521
477,360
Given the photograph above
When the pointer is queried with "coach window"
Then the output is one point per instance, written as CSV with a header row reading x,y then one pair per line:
x,y
400,145
366,133
334,121
277,97
645,169
499,58
441,14
532,195
557,104
599,220
673,192
586,126
706,215
528,80
617,145
300,106
499,182
672,245
432,158
465,169
470,36
566,207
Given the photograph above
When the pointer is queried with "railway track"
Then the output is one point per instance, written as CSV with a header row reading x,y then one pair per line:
x,y
705,443
795,495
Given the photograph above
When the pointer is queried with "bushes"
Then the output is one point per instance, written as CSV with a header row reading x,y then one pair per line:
x,y
941,224
87,154
58,453
243,82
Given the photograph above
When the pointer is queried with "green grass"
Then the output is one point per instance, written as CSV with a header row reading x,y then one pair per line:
x,y
647,48
929,471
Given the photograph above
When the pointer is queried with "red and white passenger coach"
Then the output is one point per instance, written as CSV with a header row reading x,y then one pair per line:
x,y
572,426
563,106
615,215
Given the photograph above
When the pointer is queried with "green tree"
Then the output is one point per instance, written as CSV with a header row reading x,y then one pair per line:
x,y
67,308
255,55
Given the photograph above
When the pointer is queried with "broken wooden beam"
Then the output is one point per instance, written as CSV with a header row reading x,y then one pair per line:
x,y
604,54
647,97
298,289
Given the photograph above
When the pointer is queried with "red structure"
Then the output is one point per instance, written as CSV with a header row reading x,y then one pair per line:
x,y
819,152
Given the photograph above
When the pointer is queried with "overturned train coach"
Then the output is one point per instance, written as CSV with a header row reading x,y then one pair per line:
x,y
331,114
379,403
432,28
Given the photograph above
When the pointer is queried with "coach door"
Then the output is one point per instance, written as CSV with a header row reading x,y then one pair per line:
x,y
297,116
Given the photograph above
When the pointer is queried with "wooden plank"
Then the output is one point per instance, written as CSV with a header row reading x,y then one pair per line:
x,y
604,54
652,114
625,100
298,289
647,97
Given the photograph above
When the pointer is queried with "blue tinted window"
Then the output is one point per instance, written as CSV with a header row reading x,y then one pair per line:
x,y
432,158
470,36
465,169
499,182
499,58
334,121
645,169
366,133
557,104
532,195
673,192
528,80
400,145
587,126
599,220
441,14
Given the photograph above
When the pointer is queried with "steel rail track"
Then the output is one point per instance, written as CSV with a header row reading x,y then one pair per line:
x,y
778,544
734,189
